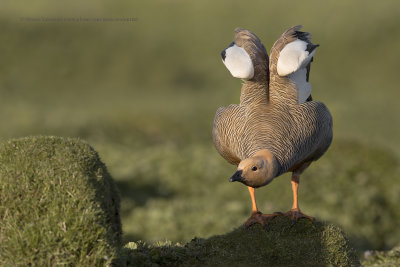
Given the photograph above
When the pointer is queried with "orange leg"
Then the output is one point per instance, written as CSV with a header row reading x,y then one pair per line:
x,y
295,189
295,212
256,215
253,200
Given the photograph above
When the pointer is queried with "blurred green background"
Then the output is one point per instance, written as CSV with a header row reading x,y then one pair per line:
x,y
144,94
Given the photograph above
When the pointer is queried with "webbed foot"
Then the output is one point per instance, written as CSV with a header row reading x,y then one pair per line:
x,y
263,219
296,214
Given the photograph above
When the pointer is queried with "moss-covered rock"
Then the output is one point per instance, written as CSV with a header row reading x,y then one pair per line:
x,y
382,258
58,204
304,244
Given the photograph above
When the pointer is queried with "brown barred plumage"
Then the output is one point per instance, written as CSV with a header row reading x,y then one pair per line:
x,y
269,116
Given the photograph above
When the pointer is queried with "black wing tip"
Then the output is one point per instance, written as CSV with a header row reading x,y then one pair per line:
x,y
311,47
304,36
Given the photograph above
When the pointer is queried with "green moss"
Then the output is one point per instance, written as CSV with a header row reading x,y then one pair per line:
x,y
383,258
304,244
58,204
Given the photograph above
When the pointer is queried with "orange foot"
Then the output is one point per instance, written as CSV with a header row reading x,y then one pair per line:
x,y
295,214
263,219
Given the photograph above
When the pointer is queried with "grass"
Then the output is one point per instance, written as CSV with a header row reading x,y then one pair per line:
x,y
304,244
59,205
383,258
112,66
144,95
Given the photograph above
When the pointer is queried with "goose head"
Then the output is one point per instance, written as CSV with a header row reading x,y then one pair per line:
x,y
246,57
258,170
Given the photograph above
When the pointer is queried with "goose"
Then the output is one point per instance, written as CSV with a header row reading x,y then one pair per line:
x,y
277,127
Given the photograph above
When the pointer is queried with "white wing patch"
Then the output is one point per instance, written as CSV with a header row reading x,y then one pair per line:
x,y
292,62
293,57
304,88
238,62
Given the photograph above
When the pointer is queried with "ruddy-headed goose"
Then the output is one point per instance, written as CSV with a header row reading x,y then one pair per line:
x,y
276,128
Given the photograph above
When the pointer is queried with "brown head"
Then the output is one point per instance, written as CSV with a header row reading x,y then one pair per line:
x,y
258,170
246,57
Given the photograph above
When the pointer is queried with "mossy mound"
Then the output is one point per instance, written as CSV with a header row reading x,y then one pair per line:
x,y
59,205
383,258
304,244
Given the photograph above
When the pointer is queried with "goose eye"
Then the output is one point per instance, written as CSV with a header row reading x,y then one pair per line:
x,y
254,168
